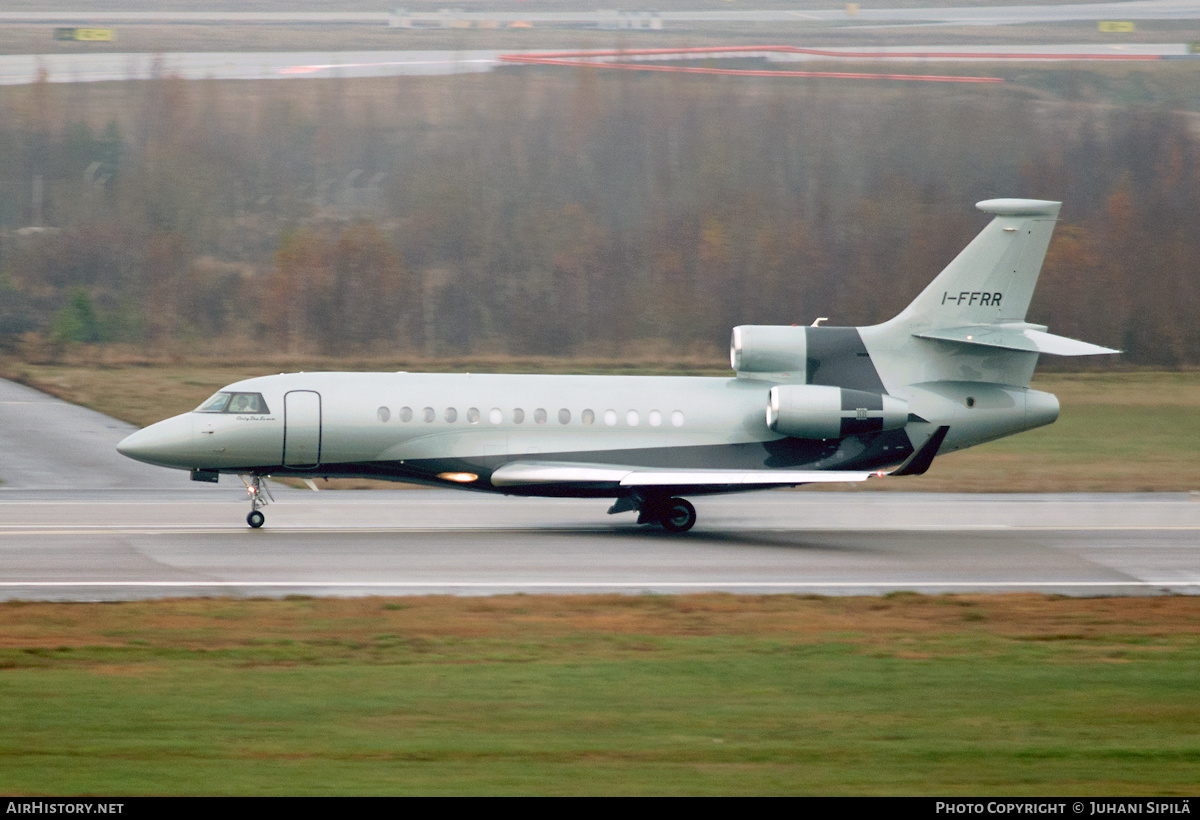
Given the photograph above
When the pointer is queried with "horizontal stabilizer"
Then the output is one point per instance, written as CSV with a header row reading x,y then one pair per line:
x,y
1027,338
543,473
1019,207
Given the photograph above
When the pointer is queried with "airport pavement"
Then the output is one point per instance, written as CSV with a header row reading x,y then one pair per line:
x,y
22,69
123,544
48,444
980,14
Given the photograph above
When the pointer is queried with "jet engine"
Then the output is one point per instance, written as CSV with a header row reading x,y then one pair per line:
x,y
769,349
821,412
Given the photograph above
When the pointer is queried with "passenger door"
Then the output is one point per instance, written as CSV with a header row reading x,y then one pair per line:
x,y
302,429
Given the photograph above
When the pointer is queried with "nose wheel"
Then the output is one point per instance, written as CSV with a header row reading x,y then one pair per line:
x,y
260,496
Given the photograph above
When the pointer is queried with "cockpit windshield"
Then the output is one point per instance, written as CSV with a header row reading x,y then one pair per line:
x,y
216,404
234,403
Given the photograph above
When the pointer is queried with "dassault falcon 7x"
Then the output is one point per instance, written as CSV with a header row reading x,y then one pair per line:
x,y
806,404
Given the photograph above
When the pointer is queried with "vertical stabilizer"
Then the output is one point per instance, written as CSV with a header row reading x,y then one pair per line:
x,y
991,281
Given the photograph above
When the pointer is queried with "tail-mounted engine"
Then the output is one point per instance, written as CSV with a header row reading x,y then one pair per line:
x,y
820,412
769,349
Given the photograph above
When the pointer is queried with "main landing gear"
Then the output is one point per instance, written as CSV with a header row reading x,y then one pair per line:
x,y
672,514
260,496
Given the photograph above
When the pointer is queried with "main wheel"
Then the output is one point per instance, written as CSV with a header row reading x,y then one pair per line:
x,y
679,515
255,519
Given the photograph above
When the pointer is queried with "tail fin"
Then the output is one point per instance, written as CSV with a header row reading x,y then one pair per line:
x,y
991,281
981,298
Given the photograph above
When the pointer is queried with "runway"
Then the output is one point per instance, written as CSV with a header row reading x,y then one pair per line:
x,y
967,15
22,69
78,522
145,544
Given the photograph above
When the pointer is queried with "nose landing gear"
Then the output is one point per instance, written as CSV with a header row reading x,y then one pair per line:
x,y
260,496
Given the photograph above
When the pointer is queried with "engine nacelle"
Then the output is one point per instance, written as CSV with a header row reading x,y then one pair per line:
x,y
820,412
769,349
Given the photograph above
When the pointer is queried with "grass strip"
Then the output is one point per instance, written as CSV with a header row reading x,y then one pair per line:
x,y
703,694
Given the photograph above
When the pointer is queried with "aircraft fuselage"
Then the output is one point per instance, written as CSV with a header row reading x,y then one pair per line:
x,y
443,428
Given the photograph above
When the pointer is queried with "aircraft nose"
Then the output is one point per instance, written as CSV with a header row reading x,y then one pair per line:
x,y
166,444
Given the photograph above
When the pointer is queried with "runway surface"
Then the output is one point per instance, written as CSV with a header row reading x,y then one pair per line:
x,y
96,545
48,444
22,69
79,522
967,15
25,69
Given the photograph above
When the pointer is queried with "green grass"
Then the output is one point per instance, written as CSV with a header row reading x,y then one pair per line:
x,y
606,695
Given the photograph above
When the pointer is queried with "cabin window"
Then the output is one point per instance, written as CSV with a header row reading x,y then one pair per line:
x,y
632,418
564,416
539,416
241,403
451,415
655,418
610,418
406,414
495,416
518,416
383,413
588,417
677,418
473,416
428,414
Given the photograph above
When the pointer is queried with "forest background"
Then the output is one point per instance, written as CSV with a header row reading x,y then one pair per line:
x,y
578,213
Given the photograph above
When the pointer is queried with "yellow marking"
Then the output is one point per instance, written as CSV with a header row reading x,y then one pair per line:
x,y
1116,26
84,34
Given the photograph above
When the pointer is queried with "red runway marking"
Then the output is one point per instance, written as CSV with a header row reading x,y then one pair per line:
x,y
763,72
594,59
